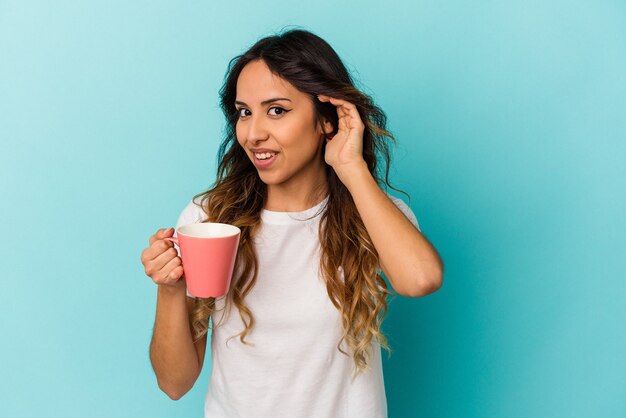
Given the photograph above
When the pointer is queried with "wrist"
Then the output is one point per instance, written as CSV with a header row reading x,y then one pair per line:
x,y
353,174
169,290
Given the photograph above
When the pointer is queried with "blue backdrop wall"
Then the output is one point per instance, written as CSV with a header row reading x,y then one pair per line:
x,y
510,125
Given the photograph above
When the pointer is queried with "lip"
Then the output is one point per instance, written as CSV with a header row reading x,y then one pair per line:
x,y
262,150
263,163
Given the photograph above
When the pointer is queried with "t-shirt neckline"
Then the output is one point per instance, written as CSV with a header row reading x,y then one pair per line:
x,y
270,216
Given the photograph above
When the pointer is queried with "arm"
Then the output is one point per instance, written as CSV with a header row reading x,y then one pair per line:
x,y
406,257
409,261
176,360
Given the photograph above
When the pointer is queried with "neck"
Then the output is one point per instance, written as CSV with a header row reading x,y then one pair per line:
x,y
296,197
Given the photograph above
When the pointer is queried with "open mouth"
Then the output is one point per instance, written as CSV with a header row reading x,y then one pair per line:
x,y
264,159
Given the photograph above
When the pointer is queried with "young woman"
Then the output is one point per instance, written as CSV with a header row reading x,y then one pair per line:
x,y
299,175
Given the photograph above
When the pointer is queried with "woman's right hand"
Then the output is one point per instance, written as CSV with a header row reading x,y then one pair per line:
x,y
161,261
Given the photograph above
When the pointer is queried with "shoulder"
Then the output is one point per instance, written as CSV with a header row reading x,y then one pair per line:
x,y
191,213
406,210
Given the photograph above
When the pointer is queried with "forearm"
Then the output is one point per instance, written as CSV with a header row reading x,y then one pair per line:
x,y
409,261
172,352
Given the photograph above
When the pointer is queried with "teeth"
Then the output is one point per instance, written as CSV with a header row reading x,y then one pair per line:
x,y
264,156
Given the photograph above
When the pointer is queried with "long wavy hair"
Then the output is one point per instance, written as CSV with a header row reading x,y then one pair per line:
x,y
238,195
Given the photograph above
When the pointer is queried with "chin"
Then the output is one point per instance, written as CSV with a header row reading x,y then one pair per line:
x,y
273,179
268,178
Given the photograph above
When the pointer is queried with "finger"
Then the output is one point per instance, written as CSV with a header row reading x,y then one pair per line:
x,y
158,254
156,236
348,115
160,234
352,117
154,269
347,112
173,278
344,122
171,271
345,107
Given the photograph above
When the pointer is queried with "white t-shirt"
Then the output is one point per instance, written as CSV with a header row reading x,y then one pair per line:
x,y
295,369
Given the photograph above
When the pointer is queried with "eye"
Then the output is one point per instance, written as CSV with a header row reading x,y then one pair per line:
x,y
239,115
278,108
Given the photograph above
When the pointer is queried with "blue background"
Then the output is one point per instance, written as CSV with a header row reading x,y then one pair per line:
x,y
511,140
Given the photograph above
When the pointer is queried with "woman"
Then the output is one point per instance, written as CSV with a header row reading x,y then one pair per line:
x,y
298,175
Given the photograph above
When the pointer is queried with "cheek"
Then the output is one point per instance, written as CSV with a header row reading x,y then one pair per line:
x,y
303,138
238,136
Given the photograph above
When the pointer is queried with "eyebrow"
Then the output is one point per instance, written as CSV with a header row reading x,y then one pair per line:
x,y
275,99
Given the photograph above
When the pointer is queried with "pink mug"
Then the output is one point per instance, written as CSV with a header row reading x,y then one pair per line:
x,y
208,251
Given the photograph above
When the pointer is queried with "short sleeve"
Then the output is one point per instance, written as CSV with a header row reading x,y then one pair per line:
x,y
407,211
192,213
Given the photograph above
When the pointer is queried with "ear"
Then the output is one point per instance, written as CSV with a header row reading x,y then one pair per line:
x,y
328,127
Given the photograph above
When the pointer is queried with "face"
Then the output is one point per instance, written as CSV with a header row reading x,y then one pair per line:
x,y
281,137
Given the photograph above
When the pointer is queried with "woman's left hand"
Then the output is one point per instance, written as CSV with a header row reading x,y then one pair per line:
x,y
344,151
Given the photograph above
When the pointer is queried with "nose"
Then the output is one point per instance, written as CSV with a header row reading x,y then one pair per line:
x,y
257,130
